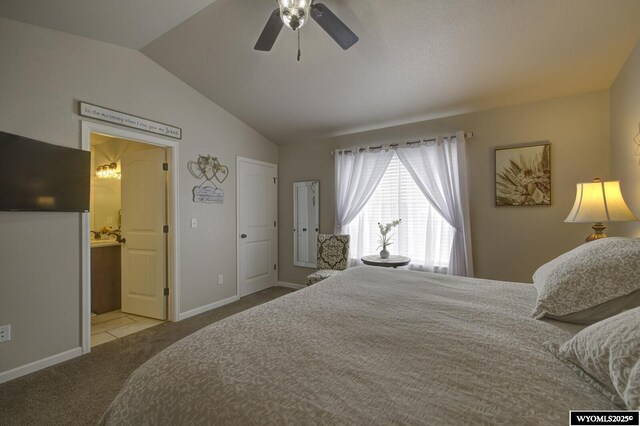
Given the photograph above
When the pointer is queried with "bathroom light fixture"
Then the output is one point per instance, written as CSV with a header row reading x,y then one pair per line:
x,y
294,13
108,171
599,202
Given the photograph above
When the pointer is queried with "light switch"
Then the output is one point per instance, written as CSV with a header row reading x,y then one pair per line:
x,y
194,222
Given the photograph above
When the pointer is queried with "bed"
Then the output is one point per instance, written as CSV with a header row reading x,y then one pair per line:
x,y
367,346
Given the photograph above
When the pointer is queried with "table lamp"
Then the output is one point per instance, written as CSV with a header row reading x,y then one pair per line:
x,y
599,202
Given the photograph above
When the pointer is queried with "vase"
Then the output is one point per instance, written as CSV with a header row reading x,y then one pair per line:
x,y
384,253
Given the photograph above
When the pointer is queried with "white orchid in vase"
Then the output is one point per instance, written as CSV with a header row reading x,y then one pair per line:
x,y
385,238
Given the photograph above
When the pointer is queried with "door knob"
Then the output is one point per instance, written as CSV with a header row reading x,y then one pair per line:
x,y
304,229
243,236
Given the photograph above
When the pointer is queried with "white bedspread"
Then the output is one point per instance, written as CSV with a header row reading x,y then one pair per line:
x,y
369,346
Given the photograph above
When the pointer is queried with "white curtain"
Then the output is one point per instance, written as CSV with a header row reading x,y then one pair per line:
x,y
439,170
423,235
357,176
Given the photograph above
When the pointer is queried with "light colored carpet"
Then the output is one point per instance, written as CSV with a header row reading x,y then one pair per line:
x,y
78,391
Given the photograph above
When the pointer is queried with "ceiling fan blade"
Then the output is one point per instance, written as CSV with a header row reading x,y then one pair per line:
x,y
270,32
333,26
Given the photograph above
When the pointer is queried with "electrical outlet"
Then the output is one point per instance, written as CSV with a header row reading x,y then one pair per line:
x,y
194,222
5,333
220,279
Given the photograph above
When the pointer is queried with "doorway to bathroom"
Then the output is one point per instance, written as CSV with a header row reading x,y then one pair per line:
x,y
127,270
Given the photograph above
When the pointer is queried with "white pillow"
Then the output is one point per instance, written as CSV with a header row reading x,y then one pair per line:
x,y
607,355
588,276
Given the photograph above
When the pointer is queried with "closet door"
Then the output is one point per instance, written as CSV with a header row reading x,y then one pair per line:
x,y
257,230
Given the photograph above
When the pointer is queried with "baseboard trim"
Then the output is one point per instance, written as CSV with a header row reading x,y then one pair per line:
x,y
34,366
291,285
205,308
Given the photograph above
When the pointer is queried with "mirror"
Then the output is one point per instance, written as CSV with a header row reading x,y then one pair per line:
x,y
306,224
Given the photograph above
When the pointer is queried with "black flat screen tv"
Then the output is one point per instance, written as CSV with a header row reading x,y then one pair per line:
x,y
37,176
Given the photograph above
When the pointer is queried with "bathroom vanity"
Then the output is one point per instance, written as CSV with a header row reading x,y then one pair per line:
x,y
105,276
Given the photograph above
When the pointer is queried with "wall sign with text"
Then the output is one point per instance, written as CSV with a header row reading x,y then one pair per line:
x,y
128,120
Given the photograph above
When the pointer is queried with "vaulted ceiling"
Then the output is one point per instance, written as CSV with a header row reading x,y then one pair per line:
x,y
128,23
416,59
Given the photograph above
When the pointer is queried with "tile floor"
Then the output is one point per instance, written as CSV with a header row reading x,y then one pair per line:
x,y
112,325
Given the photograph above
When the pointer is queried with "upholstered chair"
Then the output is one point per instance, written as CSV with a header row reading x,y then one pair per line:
x,y
333,257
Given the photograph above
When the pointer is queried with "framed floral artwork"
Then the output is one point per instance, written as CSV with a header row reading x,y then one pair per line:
x,y
523,175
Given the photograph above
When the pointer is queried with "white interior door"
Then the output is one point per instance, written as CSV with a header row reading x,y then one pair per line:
x,y
257,230
143,219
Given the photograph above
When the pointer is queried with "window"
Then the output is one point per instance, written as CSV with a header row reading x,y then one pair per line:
x,y
423,235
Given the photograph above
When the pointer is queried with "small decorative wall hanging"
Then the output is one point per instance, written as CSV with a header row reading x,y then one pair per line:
x,y
636,139
523,175
208,168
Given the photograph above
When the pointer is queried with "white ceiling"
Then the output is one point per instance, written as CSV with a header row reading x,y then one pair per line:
x,y
416,59
129,23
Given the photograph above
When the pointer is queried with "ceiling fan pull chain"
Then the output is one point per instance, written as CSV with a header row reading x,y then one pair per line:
x,y
298,45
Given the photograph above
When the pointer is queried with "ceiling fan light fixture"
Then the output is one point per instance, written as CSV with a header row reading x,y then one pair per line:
x,y
294,13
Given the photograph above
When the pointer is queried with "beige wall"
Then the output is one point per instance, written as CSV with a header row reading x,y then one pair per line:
x,y
44,74
625,119
509,243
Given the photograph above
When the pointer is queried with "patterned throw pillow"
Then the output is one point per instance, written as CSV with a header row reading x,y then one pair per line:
x,y
588,276
607,355
333,252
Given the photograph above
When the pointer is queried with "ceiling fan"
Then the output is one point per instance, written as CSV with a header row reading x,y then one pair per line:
x,y
295,14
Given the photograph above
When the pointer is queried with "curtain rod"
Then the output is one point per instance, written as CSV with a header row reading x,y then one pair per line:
x,y
467,135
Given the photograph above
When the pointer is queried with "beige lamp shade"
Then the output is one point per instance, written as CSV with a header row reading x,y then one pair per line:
x,y
599,202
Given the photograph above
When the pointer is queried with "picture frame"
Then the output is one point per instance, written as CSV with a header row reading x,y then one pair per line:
x,y
523,175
